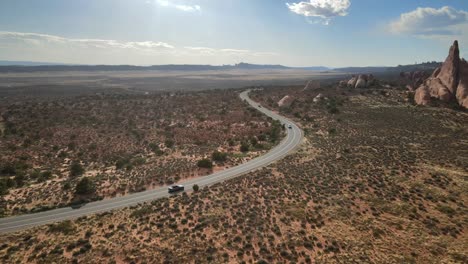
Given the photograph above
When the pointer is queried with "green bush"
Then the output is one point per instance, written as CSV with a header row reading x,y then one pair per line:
x,y
245,147
169,143
85,187
196,188
205,163
76,169
219,156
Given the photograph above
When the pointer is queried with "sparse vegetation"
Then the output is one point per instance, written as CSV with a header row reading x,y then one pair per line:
x,y
365,186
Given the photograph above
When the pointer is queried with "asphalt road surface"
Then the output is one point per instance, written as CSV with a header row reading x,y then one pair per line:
x,y
287,145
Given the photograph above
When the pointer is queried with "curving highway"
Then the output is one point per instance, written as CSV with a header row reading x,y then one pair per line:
x,y
288,144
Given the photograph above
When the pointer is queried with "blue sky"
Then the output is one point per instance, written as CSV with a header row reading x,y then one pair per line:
x,y
297,33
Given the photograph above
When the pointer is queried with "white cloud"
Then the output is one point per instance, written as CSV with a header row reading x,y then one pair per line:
x,y
321,10
188,8
43,47
179,6
44,40
427,21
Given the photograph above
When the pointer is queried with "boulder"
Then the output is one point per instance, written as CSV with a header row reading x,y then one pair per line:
x,y
361,82
318,98
352,82
286,101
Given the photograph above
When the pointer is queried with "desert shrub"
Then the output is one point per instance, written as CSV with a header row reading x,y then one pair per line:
x,y
19,179
44,176
196,188
219,156
8,169
85,187
143,211
253,141
155,148
169,143
121,163
205,163
65,227
76,169
3,187
245,147
261,137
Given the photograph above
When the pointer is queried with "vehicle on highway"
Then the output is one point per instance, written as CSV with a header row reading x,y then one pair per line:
x,y
260,106
175,188
289,126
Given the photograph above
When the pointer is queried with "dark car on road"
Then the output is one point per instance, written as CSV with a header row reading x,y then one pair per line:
x,y
175,188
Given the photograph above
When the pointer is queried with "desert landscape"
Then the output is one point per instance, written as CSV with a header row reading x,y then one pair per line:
x,y
364,187
194,131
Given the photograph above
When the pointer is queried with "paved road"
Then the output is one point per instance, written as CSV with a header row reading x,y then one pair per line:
x,y
288,144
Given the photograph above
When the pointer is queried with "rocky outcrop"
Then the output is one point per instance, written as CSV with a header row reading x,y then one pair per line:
x,y
447,83
360,81
462,88
286,101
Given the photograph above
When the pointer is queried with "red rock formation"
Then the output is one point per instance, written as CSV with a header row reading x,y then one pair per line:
x,y
462,89
447,83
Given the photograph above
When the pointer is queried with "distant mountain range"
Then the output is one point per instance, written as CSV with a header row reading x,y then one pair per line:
x,y
26,66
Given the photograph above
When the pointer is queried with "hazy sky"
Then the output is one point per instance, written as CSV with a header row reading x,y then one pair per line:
x,y
297,33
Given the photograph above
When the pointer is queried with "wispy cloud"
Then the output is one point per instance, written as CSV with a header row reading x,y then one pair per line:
x,y
44,40
43,47
428,21
179,6
321,11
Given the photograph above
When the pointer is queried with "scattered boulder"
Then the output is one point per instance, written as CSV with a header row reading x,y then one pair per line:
x,y
318,98
447,83
360,81
286,101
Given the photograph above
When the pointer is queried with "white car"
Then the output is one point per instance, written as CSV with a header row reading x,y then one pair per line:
x,y
290,126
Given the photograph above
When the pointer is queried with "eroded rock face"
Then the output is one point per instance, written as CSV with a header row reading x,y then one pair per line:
x,y
447,83
422,96
462,89
449,71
